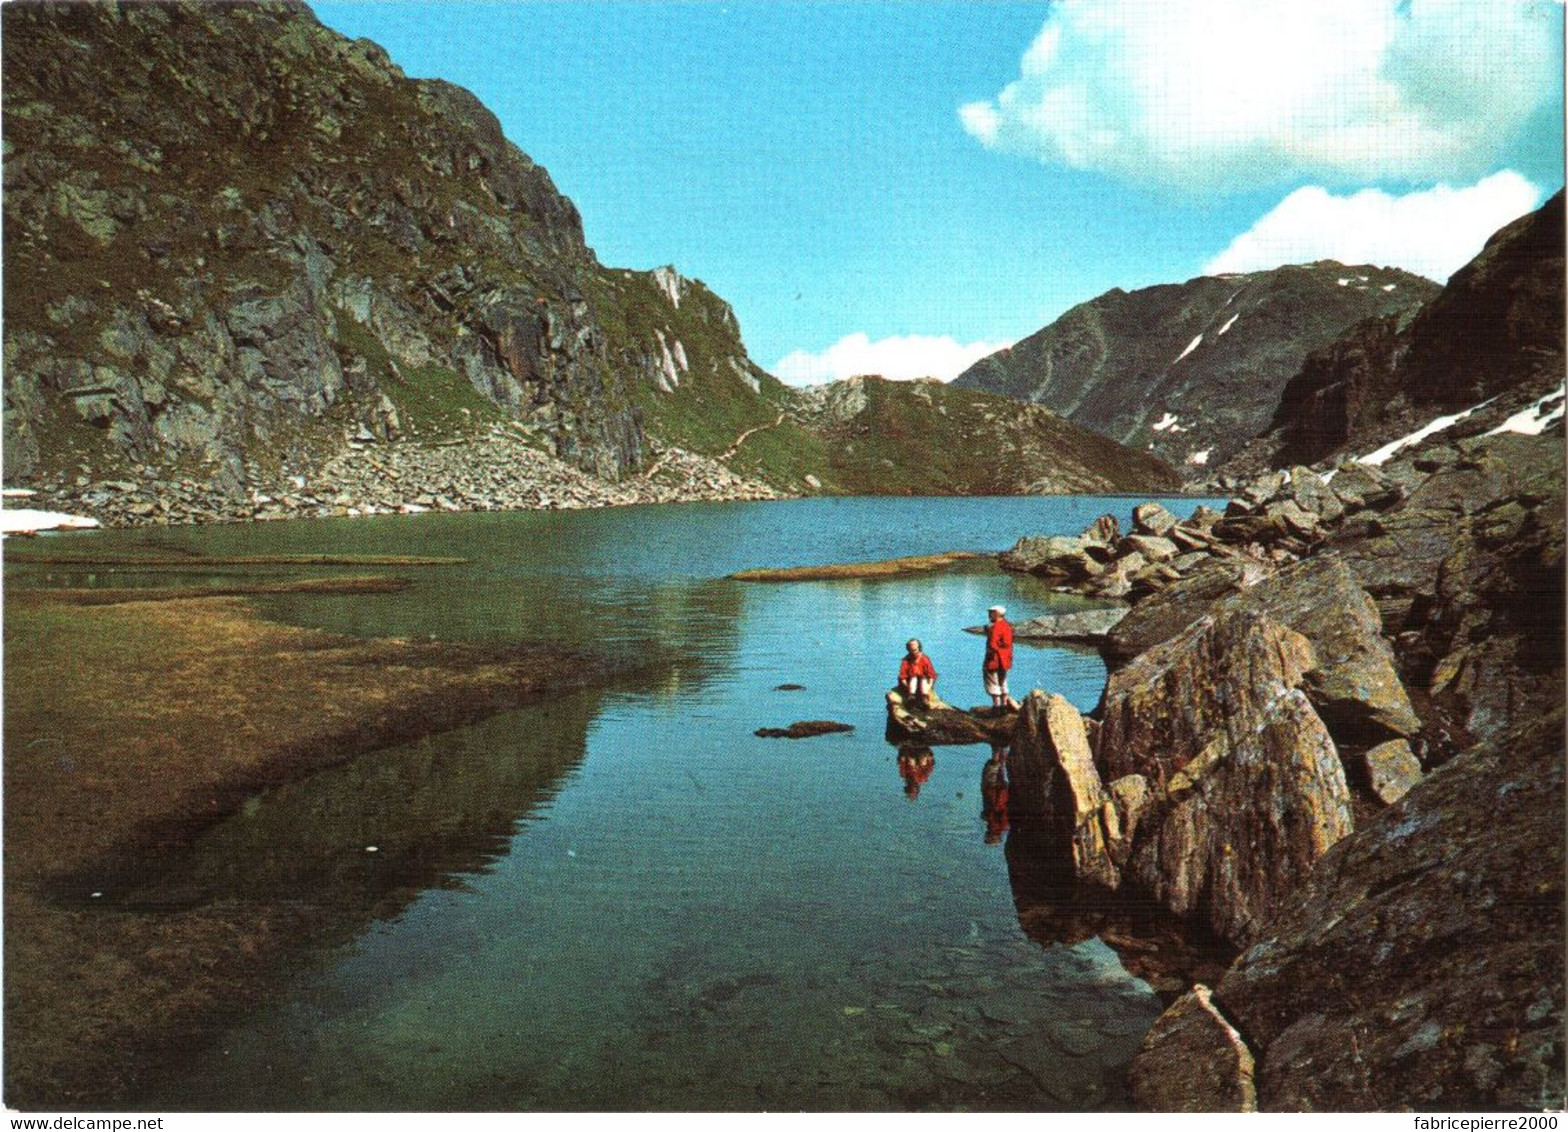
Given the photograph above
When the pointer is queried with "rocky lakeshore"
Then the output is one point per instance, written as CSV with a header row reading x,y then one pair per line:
x,y
1332,735
499,469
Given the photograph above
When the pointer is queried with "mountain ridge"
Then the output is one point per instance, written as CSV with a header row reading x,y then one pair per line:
x,y
1191,370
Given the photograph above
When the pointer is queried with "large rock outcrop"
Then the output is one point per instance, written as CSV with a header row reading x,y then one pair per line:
x,y
1054,783
1249,788
1422,963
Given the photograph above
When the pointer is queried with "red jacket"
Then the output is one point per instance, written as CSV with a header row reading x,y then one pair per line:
x,y
999,646
920,666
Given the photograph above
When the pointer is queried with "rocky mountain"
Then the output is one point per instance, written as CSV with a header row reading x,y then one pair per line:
x,y
252,270
1495,331
874,436
1191,371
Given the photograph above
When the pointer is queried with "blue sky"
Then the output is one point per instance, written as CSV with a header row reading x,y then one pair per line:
x,y
900,188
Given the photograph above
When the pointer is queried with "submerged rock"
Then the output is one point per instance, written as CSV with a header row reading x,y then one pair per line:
x,y
1193,1060
804,729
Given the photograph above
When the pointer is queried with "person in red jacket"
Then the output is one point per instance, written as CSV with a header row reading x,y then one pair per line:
x,y
916,676
998,658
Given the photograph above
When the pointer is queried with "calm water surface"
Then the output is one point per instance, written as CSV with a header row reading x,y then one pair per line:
x,y
622,899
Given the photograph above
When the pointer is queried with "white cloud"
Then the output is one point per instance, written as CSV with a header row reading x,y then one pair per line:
x,y
1249,93
900,357
1433,233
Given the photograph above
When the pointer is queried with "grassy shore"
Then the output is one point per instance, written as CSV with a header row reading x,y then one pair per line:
x,y
135,725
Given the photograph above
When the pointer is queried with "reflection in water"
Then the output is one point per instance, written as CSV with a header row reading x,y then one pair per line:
x,y
1055,908
392,821
993,795
628,901
915,765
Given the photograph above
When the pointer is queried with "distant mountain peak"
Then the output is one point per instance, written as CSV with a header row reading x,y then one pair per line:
x,y
1213,352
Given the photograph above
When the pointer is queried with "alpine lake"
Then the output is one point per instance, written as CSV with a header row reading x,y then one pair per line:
x,y
622,899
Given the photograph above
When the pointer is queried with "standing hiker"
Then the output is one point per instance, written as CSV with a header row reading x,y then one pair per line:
x,y
998,658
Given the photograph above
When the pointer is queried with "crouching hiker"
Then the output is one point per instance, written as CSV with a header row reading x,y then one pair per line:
x,y
916,676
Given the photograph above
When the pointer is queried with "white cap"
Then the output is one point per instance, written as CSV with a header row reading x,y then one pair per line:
x,y
997,609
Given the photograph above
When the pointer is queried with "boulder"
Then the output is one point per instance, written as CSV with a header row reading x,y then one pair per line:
x,y
1115,581
1395,557
1312,494
1131,796
1252,789
1187,539
1359,486
1264,488
1354,685
1392,769
1152,547
1152,519
1193,1060
1059,556
1422,964
1243,529
1055,784
1201,520
944,725
1104,531
1162,616
1294,519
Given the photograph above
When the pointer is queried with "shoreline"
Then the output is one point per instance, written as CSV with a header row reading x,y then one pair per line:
x,y
109,762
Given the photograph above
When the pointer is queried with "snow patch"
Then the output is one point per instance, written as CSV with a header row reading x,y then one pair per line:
x,y
1229,324
1165,422
1191,346
26,521
1344,282
18,492
1200,458
1383,454
1534,419
1389,286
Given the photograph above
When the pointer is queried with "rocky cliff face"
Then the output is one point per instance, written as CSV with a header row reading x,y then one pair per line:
x,y
1495,331
234,238
1190,371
